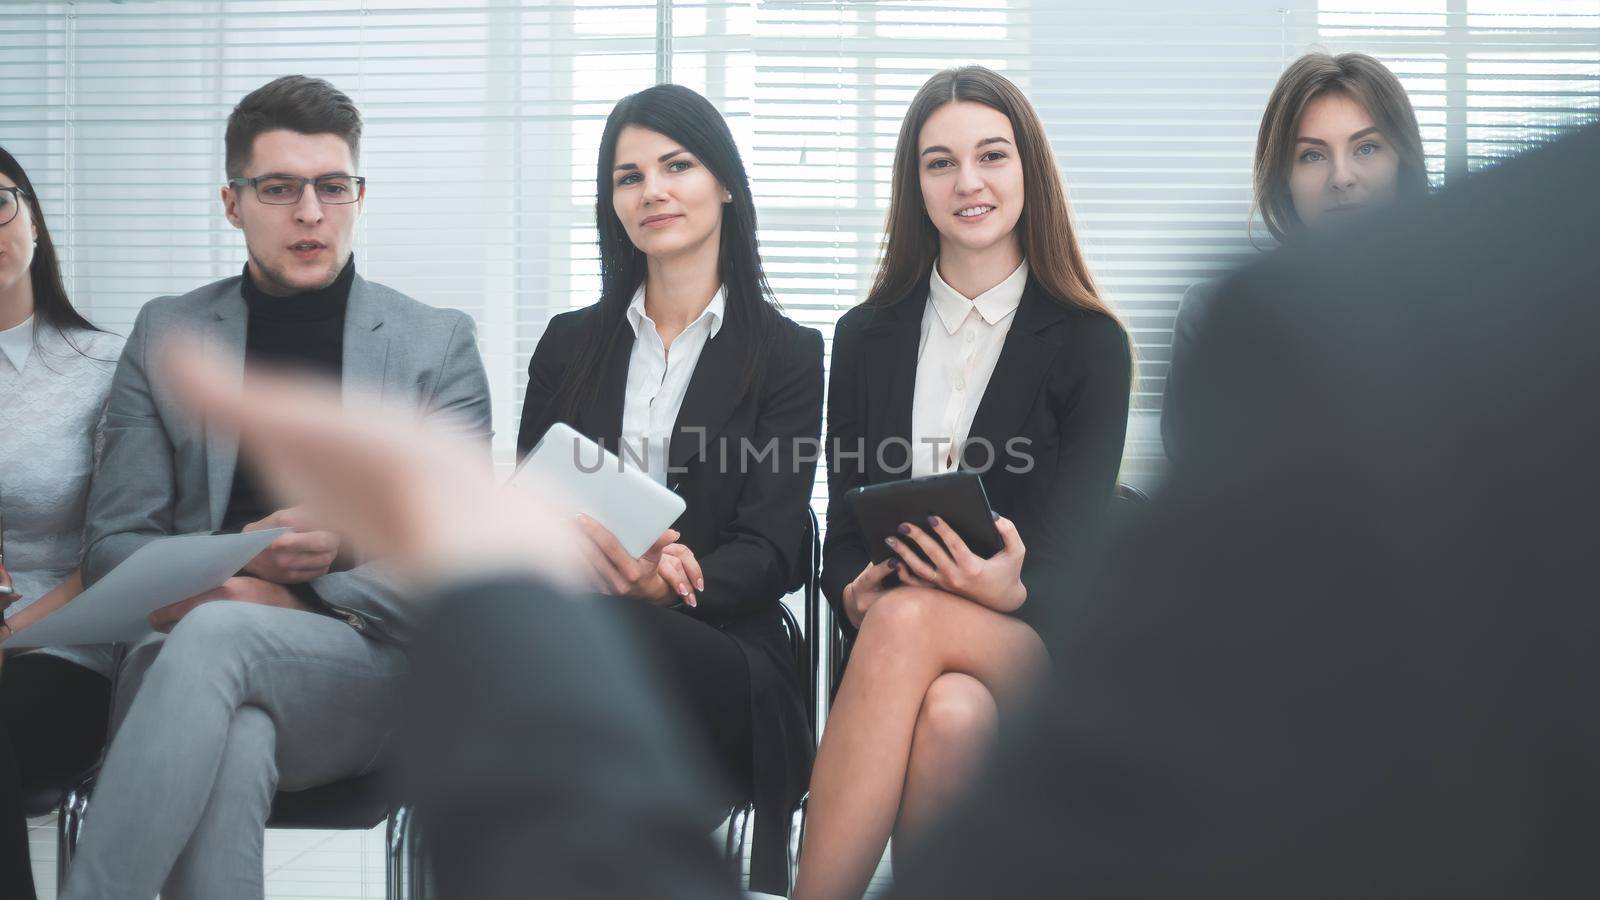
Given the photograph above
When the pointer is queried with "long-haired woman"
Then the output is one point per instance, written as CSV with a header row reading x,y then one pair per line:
x,y
984,345
686,366
1338,142
55,375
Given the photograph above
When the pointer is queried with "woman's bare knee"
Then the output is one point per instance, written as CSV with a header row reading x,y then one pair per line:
x,y
925,628
898,625
957,709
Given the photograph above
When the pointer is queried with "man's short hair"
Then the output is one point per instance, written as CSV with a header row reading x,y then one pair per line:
x,y
294,103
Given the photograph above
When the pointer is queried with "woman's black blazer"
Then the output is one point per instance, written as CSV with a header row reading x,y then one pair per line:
x,y
749,531
1061,386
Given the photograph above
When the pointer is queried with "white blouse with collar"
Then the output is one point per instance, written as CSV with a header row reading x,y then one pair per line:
x,y
658,380
961,341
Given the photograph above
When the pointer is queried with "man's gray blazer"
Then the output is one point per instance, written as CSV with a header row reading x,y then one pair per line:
x,y
164,473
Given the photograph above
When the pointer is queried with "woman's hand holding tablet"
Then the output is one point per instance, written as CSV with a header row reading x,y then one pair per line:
x,y
995,582
957,497
616,572
619,511
936,532
667,573
872,583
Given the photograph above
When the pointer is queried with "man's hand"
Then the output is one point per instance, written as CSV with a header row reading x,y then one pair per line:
x,y
297,557
241,588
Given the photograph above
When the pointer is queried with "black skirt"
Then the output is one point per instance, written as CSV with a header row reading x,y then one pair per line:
x,y
741,696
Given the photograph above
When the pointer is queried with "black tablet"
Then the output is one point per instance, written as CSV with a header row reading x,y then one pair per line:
x,y
956,497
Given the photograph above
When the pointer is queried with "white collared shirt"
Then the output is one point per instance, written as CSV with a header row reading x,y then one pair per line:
x,y
961,341
658,379
16,343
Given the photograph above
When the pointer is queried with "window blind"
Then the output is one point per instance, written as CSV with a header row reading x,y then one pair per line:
x,y
483,120
1152,110
481,123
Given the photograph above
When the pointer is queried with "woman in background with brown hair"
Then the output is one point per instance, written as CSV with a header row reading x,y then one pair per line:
x,y
984,345
1338,141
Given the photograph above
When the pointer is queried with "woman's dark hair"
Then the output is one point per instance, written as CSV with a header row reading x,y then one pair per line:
x,y
50,303
1363,79
751,316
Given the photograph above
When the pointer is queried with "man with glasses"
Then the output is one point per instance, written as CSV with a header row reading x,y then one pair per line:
x,y
281,679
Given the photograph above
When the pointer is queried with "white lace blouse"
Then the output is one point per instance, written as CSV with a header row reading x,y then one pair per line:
x,y
51,409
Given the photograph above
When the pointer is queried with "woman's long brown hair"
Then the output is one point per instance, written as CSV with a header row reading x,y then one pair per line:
x,y
1048,241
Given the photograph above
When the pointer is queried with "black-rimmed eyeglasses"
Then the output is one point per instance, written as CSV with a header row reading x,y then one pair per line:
x,y
10,199
286,190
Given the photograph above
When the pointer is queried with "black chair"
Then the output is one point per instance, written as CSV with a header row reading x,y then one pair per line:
x,y
353,804
804,651
68,799
1127,497
359,804
809,650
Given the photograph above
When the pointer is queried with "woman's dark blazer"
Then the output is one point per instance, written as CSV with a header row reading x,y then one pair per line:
x,y
749,531
1061,385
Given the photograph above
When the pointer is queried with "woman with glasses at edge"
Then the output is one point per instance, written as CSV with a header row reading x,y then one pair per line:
x,y
686,363
983,326
55,375
1338,142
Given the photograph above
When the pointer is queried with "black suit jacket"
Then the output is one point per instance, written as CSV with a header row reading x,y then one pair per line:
x,y
1192,311
746,519
1060,390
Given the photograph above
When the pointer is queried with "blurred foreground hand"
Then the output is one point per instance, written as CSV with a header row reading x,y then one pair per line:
x,y
421,502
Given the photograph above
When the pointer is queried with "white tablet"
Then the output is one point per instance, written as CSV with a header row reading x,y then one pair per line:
x,y
584,477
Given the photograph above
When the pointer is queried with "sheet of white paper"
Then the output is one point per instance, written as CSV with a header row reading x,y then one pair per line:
x,y
163,571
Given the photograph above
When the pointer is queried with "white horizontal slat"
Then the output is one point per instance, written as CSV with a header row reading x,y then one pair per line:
x,y
482,119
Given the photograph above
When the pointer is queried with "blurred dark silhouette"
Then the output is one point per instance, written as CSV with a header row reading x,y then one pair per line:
x,y
1349,650
544,762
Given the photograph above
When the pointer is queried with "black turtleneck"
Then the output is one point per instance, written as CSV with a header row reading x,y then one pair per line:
x,y
302,332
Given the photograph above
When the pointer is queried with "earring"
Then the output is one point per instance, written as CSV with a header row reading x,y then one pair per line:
x,y
727,196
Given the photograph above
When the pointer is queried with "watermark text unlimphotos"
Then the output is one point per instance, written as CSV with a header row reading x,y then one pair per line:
x,y
743,456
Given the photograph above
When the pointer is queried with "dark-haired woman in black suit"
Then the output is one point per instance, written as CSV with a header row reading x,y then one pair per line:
x,y
687,367
983,346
